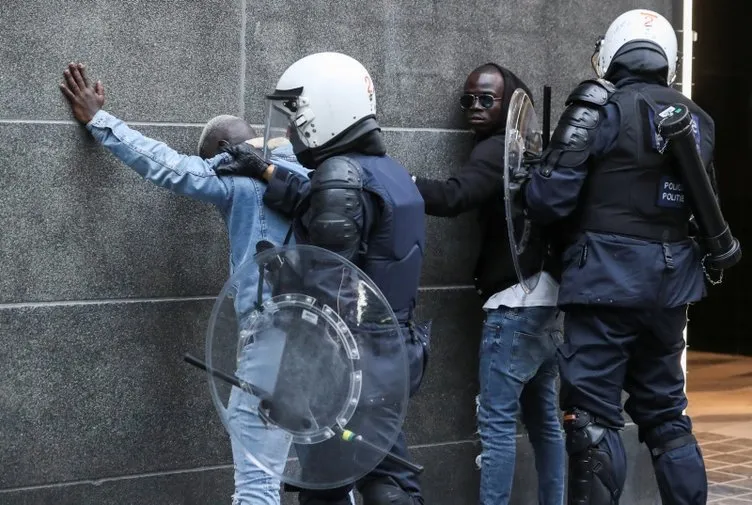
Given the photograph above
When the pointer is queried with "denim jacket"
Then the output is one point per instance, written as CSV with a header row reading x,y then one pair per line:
x,y
239,199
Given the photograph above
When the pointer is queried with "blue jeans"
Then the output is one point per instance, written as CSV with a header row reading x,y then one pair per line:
x,y
254,442
518,371
253,485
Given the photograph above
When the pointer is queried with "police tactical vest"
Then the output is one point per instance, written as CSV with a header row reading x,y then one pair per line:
x,y
634,189
393,256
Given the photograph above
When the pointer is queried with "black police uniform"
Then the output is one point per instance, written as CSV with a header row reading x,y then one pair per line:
x,y
363,205
629,272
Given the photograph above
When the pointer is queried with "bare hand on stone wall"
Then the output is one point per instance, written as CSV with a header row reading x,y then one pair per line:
x,y
85,100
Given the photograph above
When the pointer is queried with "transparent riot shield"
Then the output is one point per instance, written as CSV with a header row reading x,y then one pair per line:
x,y
308,367
523,142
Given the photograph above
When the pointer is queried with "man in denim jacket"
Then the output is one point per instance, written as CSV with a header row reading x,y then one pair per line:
x,y
239,199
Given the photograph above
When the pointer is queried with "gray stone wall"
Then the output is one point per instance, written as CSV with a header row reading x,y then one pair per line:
x,y
107,280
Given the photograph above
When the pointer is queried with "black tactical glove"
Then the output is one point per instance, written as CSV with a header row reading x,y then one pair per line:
x,y
521,174
247,161
518,178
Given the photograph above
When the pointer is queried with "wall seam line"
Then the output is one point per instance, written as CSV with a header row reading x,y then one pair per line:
x,y
396,129
243,25
99,482
165,299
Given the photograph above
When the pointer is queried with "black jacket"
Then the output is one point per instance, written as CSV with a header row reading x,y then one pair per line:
x,y
479,184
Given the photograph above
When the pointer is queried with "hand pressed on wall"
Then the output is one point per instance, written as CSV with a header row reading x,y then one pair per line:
x,y
85,100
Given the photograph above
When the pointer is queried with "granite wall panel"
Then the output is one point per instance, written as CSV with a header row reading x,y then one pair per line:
x,y
107,280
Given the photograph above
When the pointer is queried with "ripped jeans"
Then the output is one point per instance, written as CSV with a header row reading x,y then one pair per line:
x,y
518,372
250,435
253,485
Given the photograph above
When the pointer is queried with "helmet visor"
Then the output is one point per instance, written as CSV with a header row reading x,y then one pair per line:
x,y
277,124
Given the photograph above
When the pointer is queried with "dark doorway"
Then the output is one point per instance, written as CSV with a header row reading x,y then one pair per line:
x,y
723,87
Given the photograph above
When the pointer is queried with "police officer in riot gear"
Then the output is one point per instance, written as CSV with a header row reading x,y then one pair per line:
x,y
630,268
359,203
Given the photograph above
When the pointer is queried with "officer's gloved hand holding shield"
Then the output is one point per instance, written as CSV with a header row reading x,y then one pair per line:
x,y
321,363
519,174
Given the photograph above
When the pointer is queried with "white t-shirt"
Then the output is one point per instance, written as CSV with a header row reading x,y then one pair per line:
x,y
545,294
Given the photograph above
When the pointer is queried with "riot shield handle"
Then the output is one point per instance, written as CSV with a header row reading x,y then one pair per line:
x,y
346,435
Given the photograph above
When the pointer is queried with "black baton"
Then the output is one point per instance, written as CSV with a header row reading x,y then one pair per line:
x,y
344,434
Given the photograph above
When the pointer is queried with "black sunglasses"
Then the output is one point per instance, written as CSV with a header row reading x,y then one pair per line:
x,y
486,101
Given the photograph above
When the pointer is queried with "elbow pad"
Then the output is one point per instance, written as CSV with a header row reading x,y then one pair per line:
x,y
335,211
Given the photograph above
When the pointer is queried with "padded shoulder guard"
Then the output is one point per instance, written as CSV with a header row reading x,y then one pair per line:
x,y
339,172
570,142
335,210
592,91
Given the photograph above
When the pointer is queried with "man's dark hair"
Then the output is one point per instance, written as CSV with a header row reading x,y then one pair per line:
x,y
230,128
511,83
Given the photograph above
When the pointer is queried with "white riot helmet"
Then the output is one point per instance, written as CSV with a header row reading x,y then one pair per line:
x,y
318,98
633,26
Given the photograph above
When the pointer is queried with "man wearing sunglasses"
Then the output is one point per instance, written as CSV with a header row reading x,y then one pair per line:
x,y
248,222
521,331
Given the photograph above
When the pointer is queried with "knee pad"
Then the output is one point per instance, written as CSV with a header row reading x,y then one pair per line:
x,y
593,478
681,477
384,492
669,435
